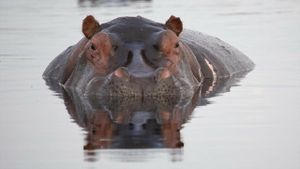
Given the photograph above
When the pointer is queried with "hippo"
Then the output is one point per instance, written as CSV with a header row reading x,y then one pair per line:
x,y
135,56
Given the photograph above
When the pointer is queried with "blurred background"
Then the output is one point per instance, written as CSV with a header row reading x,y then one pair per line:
x,y
255,125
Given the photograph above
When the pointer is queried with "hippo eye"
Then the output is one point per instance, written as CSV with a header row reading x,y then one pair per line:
x,y
115,47
156,47
177,45
93,47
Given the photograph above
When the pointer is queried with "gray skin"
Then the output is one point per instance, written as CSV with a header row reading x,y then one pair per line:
x,y
132,58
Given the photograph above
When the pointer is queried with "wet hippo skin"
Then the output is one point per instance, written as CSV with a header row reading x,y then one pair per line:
x,y
134,56
167,69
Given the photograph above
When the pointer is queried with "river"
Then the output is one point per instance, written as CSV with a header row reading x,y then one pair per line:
x,y
254,125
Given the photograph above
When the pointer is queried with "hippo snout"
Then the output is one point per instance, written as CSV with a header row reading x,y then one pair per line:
x,y
123,83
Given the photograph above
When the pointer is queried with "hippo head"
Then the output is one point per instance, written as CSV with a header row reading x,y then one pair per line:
x,y
133,56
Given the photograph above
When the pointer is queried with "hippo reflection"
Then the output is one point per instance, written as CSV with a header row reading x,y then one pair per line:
x,y
130,122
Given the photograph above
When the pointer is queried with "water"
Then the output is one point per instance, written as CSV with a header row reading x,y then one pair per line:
x,y
255,125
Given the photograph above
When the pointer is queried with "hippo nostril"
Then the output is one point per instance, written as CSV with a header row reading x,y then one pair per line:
x,y
147,61
143,52
131,126
129,58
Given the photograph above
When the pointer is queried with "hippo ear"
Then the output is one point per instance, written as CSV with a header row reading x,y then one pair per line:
x,y
174,24
90,26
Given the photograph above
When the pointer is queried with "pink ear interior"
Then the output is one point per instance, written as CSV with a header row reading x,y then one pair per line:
x,y
90,26
174,24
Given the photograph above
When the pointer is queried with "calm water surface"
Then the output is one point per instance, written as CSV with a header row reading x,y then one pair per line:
x,y
255,125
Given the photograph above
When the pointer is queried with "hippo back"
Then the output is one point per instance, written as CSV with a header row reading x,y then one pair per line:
x,y
215,54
